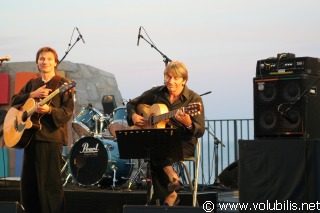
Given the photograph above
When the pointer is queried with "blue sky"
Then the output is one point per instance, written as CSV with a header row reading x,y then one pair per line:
x,y
219,41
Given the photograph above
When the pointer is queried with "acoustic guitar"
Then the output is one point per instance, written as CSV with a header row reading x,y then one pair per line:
x,y
18,127
158,114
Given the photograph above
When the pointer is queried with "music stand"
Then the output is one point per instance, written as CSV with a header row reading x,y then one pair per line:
x,y
150,144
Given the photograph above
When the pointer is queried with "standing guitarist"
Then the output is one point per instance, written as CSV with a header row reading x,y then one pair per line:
x,y
41,181
174,95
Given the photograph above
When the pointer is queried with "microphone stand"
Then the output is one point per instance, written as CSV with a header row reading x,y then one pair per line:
x,y
69,49
166,60
216,146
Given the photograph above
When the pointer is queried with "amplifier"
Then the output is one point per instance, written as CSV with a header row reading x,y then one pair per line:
x,y
287,66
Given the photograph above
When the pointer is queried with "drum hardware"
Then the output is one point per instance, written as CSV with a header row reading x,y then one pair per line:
x,y
96,118
64,169
102,119
137,175
67,179
114,169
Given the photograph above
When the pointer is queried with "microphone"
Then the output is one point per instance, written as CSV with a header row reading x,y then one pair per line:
x,y
139,36
290,118
80,35
206,93
6,58
285,114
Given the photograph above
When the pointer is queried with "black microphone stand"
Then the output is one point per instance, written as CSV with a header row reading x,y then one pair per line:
x,y
216,146
166,60
69,49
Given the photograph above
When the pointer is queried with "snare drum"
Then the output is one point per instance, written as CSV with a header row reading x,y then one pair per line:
x,y
93,161
119,120
85,123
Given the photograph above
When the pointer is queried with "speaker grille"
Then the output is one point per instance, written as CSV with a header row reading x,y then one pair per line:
x,y
279,109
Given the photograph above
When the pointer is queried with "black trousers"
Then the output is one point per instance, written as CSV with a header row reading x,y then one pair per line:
x,y
160,179
41,181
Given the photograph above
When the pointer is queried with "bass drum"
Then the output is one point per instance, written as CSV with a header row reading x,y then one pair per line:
x,y
119,121
92,162
85,125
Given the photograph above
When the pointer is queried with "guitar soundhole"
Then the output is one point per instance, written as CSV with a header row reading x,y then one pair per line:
x,y
151,120
24,116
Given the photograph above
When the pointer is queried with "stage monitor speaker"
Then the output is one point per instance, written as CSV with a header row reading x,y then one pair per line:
x,y
229,176
161,209
11,207
108,104
287,106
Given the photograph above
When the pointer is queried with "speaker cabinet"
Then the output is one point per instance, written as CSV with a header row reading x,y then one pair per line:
x,y
284,170
11,207
287,106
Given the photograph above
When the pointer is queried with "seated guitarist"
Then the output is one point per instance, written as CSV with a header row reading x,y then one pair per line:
x,y
174,95
41,181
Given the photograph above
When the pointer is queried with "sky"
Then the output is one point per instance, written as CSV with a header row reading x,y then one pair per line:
x,y
220,42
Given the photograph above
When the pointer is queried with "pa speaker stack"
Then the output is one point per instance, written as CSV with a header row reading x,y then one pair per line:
x,y
286,97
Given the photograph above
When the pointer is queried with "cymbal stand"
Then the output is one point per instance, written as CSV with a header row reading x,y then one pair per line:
x,y
137,175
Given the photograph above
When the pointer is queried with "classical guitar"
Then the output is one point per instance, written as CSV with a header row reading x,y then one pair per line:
x,y
158,114
18,127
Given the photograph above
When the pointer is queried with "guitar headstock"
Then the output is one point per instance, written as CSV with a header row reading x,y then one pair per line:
x,y
193,108
67,86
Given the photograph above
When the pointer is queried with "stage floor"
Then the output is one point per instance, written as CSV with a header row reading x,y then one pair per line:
x,y
95,199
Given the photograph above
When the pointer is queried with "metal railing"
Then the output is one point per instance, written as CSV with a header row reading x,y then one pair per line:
x,y
219,146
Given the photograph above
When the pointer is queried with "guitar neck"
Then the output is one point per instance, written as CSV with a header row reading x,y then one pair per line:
x,y
164,116
43,102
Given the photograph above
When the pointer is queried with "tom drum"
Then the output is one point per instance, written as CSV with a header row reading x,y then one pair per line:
x,y
118,121
85,124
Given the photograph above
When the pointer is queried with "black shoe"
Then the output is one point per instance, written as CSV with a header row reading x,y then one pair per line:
x,y
174,185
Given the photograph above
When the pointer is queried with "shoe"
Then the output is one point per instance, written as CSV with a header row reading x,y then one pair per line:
x,y
176,202
174,185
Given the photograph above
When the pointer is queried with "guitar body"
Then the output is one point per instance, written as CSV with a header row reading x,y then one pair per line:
x,y
17,132
17,123
148,112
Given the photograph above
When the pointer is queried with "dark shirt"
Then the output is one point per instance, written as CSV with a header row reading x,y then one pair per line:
x,y
160,95
54,125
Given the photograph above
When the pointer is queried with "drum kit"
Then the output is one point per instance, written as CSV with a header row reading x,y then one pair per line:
x,y
93,159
